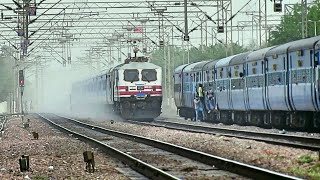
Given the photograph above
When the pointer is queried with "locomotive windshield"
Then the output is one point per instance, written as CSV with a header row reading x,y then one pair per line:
x,y
131,75
149,75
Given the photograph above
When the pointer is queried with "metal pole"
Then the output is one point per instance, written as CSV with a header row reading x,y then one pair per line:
x,y
201,35
265,21
315,28
212,36
37,84
231,31
260,24
173,47
207,33
21,102
242,37
169,70
186,31
183,54
252,28
188,52
238,35
304,18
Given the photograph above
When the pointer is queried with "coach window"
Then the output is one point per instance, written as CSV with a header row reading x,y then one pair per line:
x,y
316,59
149,75
131,75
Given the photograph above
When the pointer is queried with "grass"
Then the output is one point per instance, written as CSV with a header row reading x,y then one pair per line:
x,y
40,177
279,157
309,167
305,159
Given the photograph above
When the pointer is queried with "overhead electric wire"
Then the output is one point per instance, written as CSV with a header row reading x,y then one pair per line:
x,y
237,12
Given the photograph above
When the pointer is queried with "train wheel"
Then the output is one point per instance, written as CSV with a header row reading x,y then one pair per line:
x,y
240,118
301,121
226,117
266,119
278,119
315,125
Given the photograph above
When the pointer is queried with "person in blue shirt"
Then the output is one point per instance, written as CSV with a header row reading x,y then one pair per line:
x,y
198,107
210,101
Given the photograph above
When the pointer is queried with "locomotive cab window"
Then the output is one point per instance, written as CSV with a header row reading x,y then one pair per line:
x,y
131,75
149,75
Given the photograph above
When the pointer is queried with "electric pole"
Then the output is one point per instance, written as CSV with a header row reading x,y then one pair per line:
x,y
304,19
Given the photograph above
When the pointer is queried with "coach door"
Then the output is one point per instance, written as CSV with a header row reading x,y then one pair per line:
x,y
317,78
115,85
112,85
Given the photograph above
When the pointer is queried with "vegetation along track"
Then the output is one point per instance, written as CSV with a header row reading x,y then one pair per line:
x,y
302,142
208,159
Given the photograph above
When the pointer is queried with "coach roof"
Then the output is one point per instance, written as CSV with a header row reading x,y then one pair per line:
x,y
180,68
210,65
258,54
239,59
190,67
224,62
304,44
199,66
282,49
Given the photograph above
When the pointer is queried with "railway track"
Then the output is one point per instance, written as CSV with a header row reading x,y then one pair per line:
x,y
161,154
302,142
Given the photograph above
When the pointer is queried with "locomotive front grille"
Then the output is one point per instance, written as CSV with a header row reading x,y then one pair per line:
x,y
139,88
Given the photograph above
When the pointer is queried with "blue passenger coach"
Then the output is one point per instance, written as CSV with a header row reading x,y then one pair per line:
x,y
272,87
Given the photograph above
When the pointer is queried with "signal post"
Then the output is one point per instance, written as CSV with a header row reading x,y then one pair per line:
x,y
21,88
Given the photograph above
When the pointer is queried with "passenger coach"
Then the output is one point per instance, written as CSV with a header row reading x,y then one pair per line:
x,y
271,87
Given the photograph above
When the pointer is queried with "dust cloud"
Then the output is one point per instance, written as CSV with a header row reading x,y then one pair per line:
x,y
55,94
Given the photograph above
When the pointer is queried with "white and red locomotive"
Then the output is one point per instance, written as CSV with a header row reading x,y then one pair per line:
x,y
133,89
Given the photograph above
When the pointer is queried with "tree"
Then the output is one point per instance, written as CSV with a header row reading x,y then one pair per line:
x,y
290,28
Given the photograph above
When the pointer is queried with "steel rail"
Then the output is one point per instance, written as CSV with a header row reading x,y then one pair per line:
x,y
300,142
219,162
136,164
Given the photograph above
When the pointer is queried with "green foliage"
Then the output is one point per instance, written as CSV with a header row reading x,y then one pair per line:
x,y
40,177
305,159
308,172
308,167
279,157
290,28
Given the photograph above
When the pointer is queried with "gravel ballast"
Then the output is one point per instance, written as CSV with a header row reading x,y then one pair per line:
x,y
278,158
53,156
